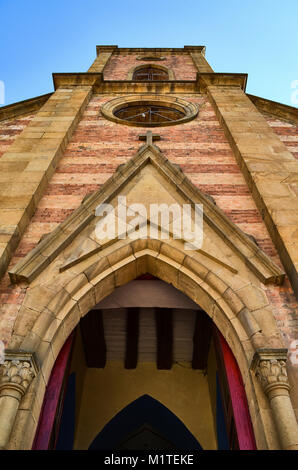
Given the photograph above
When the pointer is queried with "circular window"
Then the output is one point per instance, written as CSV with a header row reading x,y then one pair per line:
x,y
149,110
149,114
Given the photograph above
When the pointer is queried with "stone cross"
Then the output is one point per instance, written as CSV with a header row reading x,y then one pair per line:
x,y
149,137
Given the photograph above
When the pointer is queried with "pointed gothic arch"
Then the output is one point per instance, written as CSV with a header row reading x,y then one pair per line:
x,y
69,274
54,328
145,410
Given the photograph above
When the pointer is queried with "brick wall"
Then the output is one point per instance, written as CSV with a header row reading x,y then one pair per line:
x,y
119,66
98,146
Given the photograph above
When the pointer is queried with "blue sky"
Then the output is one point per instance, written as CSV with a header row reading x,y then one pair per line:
x,y
258,37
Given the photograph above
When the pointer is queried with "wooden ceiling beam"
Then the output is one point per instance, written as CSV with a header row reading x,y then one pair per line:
x,y
92,330
132,337
201,340
164,334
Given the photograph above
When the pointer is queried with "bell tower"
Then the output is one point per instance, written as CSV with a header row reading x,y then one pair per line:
x,y
149,337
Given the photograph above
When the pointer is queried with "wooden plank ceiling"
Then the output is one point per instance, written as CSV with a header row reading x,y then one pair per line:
x,y
133,335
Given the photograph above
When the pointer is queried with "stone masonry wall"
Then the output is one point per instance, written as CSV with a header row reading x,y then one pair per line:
x,y
10,128
96,149
119,66
286,131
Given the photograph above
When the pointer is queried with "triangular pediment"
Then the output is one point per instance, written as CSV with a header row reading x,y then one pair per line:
x,y
147,178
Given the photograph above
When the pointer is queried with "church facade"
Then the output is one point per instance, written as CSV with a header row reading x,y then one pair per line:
x,y
148,260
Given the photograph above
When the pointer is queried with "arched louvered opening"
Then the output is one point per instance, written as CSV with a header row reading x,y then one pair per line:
x,y
149,73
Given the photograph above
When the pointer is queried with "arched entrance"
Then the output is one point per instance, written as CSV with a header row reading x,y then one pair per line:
x,y
53,330
174,355
69,272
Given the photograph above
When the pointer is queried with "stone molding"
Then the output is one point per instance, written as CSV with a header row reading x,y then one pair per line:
x,y
280,110
135,50
151,58
221,79
23,107
100,49
76,79
100,85
191,110
284,111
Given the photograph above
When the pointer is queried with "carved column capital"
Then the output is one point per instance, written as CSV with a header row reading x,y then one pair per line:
x,y
17,371
269,366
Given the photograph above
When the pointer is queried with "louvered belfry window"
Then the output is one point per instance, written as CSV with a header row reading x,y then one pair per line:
x,y
150,74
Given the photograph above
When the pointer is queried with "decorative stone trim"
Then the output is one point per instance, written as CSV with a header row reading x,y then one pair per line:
x,y
125,87
75,79
96,80
205,79
23,107
190,109
18,370
149,50
16,374
151,58
290,113
269,366
101,49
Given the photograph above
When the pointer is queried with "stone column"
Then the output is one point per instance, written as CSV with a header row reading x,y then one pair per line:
x,y
270,368
16,374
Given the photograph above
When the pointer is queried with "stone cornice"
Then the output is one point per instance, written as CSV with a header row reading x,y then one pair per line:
x,y
134,50
23,107
284,111
100,85
76,79
100,49
289,113
221,79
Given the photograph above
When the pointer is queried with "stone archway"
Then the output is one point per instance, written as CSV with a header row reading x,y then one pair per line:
x,y
54,323
69,272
